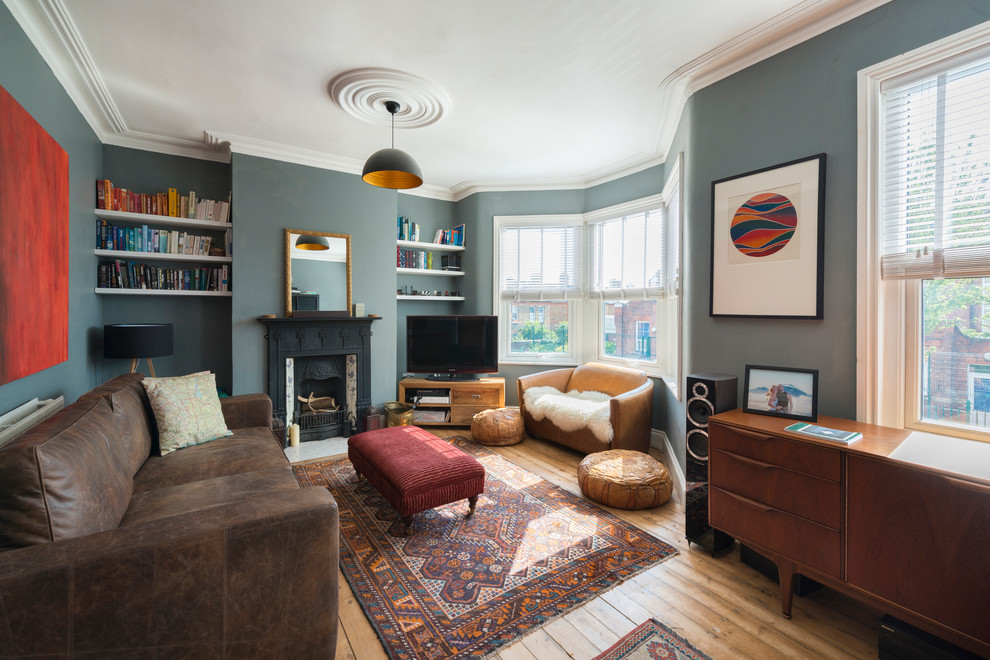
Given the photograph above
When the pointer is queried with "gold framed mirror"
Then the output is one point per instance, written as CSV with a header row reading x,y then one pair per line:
x,y
317,273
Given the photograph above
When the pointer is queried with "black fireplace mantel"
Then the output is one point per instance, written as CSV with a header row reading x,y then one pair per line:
x,y
301,337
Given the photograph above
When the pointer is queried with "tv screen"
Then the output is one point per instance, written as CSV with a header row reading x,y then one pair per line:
x,y
452,346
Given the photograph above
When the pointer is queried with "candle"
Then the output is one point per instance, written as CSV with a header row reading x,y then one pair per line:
x,y
294,435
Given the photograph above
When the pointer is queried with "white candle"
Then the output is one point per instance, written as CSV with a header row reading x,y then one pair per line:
x,y
294,435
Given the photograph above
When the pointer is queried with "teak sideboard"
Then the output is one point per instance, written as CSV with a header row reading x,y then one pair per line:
x,y
910,540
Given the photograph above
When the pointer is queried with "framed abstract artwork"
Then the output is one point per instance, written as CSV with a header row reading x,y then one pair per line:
x,y
768,242
781,392
34,233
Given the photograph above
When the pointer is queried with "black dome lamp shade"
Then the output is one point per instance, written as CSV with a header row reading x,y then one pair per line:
x,y
307,242
392,168
137,340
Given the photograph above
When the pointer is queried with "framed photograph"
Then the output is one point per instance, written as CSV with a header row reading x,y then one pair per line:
x,y
768,242
781,392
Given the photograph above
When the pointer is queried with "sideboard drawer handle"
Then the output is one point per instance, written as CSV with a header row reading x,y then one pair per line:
x,y
475,396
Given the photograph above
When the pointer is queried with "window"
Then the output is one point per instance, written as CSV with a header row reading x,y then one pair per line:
x,y
924,297
599,286
539,261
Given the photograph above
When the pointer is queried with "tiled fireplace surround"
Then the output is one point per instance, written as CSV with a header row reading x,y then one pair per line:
x,y
326,356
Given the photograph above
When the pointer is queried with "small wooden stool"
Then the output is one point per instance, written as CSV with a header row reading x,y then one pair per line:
x,y
415,470
624,479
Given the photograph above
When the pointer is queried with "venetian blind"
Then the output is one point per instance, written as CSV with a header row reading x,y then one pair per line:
x,y
935,197
540,261
635,255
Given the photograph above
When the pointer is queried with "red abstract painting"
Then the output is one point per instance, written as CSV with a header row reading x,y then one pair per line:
x,y
34,245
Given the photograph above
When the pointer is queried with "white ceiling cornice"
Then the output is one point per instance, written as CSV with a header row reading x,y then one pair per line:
x,y
51,29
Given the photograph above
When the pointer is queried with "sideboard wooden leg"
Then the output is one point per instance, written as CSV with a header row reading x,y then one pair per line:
x,y
785,570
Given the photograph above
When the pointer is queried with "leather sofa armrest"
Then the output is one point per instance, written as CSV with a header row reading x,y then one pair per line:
x,y
556,378
632,418
257,578
247,410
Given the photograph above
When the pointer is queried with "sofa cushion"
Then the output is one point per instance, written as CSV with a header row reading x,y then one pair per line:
x,y
206,493
607,378
132,413
245,451
187,410
64,478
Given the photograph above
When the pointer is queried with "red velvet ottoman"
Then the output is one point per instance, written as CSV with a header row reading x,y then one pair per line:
x,y
414,470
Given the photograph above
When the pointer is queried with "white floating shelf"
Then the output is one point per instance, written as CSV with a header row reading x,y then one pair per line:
x,y
149,219
415,245
160,292
161,256
427,271
447,298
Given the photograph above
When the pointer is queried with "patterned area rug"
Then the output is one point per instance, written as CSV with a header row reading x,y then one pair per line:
x,y
652,641
463,587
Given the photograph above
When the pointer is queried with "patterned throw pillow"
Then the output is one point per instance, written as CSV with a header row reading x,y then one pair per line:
x,y
187,410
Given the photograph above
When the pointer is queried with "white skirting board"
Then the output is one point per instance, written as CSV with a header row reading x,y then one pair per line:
x,y
659,440
26,415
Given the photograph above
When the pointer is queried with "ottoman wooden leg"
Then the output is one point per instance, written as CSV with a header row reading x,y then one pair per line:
x,y
472,501
407,525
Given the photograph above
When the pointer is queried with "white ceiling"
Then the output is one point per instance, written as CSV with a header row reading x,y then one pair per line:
x,y
561,94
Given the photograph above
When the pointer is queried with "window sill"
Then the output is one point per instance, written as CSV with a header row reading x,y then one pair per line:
x,y
946,452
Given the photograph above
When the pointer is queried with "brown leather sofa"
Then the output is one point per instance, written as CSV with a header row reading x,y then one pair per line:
x,y
631,405
108,549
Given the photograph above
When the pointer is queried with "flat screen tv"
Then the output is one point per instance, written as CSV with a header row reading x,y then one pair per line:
x,y
452,347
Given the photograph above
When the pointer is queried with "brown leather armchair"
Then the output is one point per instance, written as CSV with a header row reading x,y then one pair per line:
x,y
631,405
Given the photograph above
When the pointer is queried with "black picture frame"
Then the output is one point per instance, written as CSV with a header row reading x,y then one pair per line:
x,y
768,242
801,404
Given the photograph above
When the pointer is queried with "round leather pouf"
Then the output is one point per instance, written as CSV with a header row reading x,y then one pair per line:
x,y
624,479
497,427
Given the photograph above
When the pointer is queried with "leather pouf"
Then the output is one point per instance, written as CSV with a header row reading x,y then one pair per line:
x,y
497,427
624,479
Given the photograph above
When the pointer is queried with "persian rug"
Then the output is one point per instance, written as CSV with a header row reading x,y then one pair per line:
x,y
461,587
652,641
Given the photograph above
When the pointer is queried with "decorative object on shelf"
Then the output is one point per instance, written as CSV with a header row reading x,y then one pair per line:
x,y
392,168
136,341
34,232
308,242
781,392
768,240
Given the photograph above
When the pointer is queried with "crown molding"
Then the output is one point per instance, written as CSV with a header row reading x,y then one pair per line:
x,y
50,28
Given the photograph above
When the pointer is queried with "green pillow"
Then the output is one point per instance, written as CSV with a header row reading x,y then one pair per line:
x,y
187,410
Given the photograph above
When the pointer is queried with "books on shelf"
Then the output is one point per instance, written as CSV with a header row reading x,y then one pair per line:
x,y
825,433
407,230
413,259
149,239
118,274
169,203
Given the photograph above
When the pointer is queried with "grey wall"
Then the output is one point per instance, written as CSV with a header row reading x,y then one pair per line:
x,y
271,196
201,324
798,103
26,76
327,278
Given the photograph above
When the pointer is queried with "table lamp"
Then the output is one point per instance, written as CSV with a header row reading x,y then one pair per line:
x,y
136,341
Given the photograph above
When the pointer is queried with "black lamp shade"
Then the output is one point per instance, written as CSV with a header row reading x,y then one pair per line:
x,y
308,242
392,168
137,340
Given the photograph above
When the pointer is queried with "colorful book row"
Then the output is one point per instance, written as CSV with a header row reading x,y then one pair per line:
x,y
169,203
406,230
413,259
119,274
162,241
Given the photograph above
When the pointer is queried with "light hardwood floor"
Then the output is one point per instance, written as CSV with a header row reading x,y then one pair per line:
x,y
723,607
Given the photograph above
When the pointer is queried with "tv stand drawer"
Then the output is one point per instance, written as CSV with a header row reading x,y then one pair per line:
x,y
474,396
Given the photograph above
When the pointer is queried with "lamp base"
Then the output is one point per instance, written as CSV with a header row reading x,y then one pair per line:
x,y
151,367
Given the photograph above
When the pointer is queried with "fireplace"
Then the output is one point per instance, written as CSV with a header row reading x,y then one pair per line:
x,y
326,362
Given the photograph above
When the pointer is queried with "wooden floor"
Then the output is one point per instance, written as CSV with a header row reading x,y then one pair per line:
x,y
720,605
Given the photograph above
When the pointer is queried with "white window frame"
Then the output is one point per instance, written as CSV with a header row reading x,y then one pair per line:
x,y
888,325
585,322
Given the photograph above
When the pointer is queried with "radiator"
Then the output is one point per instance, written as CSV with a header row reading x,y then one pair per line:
x,y
25,416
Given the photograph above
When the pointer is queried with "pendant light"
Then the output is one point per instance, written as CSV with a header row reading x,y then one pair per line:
x,y
312,243
392,168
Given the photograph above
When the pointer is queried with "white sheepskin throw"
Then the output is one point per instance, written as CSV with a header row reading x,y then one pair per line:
x,y
572,410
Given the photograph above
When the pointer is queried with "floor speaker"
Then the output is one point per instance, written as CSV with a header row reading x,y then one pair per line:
x,y
707,394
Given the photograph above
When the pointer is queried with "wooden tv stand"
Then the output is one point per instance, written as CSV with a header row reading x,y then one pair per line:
x,y
908,539
465,397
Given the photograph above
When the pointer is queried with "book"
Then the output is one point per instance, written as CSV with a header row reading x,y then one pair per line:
x,y
825,433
